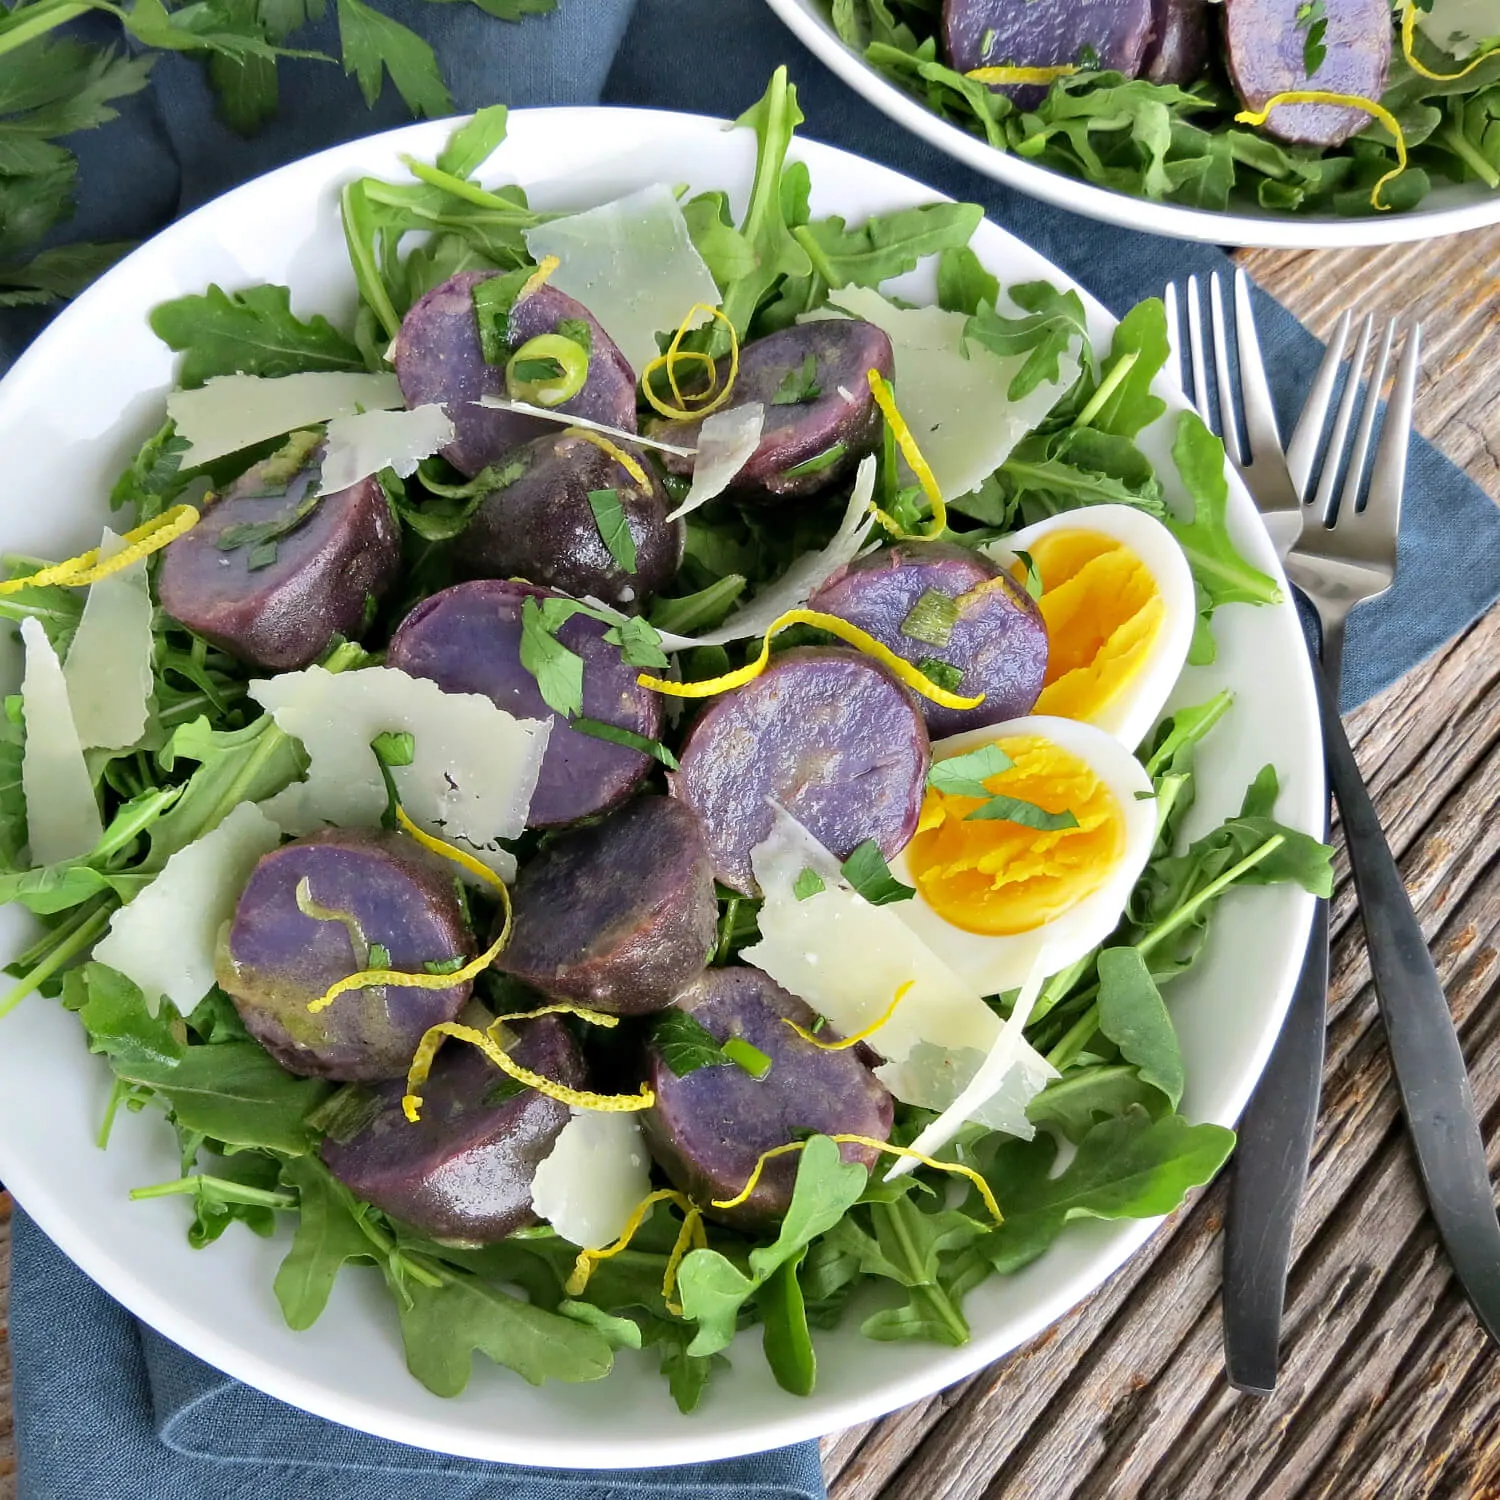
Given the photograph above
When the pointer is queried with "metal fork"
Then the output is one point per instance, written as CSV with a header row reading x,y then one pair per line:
x,y
1347,554
1276,1131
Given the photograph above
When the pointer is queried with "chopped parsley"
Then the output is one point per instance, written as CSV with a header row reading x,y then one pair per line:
x,y
536,370
395,747
578,331
931,619
943,673
867,871
617,735
685,1044
965,775
558,670
799,385
380,957
808,883
1312,18
817,463
1033,574
262,537
444,965
494,298
1028,814
614,527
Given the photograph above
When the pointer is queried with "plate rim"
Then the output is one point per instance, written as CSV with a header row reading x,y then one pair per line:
x,y
801,1420
1177,221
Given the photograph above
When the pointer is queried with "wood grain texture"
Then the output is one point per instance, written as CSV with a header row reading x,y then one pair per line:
x,y
1388,1388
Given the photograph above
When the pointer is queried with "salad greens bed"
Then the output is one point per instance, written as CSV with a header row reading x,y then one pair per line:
x,y
1182,144
899,1257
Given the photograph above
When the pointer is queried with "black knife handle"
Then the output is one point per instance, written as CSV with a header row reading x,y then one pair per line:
x,y
1270,1168
1429,1064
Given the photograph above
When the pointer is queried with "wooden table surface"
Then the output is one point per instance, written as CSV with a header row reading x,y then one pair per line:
x,y
1388,1388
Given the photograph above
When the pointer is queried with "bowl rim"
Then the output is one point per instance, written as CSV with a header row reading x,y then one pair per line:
x,y
462,1435
1205,226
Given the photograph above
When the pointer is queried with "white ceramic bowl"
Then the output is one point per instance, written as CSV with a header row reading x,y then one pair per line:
x,y
1449,209
72,412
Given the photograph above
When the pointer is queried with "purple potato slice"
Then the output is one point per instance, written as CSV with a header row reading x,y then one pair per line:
x,y
842,352
1105,34
998,640
829,734
438,358
542,527
463,1172
1267,51
467,639
279,604
708,1128
311,913
618,915
1180,43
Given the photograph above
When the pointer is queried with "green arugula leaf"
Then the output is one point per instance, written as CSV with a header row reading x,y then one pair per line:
x,y
713,1289
614,527
1134,1017
885,245
867,871
155,477
1052,321
685,1044
963,284
617,1332
328,1237
373,44
724,249
1131,406
474,142
966,775
1074,1103
1129,1167
786,1339
701,611
818,462
58,274
253,332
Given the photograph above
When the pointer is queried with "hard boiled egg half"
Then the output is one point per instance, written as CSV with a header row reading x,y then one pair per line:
x,y
1031,836
1118,601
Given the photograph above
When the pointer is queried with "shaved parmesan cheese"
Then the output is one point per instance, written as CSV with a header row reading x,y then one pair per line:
x,y
800,581
633,264
370,441
473,771
108,670
726,441
570,419
234,411
955,400
62,817
164,940
934,1079
597,1172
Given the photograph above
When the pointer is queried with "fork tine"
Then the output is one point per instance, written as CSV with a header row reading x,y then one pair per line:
x,y
1388,476
1328,480
1174,335
1228,419
1255,392
1302,451
1195,349
1354,478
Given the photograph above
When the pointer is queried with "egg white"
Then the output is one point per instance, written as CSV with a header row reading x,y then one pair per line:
x,y
993,964
1130,715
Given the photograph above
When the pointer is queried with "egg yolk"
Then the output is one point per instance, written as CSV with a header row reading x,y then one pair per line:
x,y
992,876
1103,613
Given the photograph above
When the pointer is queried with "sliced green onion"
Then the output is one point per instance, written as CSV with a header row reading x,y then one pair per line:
x,y
529,375
747,1056
931,619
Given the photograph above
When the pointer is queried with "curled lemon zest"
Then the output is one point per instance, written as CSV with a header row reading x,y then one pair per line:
x,y
852,635
980,1185
444,850
562,1008
583,1267
364,979
1408,51
880,389
539,277
858,1036
690,408
1020,75
630,465
86,568
432,1039
691,1236
1347,101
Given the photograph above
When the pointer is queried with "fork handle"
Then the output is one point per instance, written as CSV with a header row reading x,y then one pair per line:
x,y
1428,1061
1270,1169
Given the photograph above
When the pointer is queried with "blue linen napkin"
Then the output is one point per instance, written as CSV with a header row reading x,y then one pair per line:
x,y
127,1415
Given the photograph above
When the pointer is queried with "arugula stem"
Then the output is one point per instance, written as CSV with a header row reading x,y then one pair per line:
x,y
1463,148
80,940
820,262
1107,387
54,935
119,1091
470,192
935,1296
1078,1035
230,1192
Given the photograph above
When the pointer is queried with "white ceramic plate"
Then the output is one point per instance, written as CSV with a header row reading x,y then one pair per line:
x,y
1449,209
73,411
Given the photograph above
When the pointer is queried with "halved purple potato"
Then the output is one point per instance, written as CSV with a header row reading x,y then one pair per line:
x,y
467,639
310,914
1267,45
278,604
843,352
1112,34
998,641
830,735
438,359
542,527
708,1128
618,915
1181,41
462,1173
